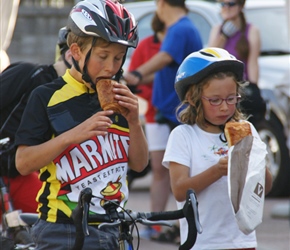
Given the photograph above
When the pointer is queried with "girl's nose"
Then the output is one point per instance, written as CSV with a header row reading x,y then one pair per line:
x,y
224,105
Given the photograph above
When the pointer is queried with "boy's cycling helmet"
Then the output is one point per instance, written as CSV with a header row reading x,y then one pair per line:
x,y
104,18
198,65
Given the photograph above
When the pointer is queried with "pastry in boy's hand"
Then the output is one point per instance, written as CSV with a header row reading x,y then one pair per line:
x,y
106,96
236,131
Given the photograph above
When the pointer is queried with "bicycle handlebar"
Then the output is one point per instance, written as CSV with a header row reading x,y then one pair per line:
x,y
112,217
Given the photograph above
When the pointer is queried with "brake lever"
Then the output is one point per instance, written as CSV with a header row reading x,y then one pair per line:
x,y
194,204
109,224
80,216
191,214
86,197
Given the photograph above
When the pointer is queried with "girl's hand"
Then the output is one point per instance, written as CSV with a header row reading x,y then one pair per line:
x,y
222,166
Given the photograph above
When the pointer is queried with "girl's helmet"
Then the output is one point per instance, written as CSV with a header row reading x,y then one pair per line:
x,y
107,19
198,65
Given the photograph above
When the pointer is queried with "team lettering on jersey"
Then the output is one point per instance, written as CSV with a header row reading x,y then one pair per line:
x,y
80,160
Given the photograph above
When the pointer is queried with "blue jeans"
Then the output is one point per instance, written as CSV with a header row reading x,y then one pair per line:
x,y
56,236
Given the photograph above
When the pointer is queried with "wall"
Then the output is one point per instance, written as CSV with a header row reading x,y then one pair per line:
x,y
35,34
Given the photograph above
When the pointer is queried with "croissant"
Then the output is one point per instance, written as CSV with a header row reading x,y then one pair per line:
x,y
106,96
236,131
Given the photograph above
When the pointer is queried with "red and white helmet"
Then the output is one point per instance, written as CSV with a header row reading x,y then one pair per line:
x,y
107,19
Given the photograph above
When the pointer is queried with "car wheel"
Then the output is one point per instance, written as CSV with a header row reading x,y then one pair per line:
x,y
278,159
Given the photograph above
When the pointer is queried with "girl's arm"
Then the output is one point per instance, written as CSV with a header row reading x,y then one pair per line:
x,y
216,39
181,181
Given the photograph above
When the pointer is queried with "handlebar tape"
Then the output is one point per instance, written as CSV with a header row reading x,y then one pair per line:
x,y
80,215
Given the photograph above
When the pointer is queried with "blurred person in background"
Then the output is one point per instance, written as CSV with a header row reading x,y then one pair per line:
x,y
181,39
16,83
147,48
242,40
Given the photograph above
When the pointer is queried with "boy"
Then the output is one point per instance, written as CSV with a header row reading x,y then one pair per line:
x,y
74,143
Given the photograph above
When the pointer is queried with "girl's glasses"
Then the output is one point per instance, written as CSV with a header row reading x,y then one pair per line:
x,y
218,101
229,4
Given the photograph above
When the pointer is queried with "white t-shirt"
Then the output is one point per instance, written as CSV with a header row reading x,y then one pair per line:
x,y
199,150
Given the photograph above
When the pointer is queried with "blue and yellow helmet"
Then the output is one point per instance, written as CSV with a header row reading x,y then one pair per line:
x,y
198,65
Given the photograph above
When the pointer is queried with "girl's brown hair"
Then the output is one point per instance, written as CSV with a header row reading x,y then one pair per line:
x,y
190,111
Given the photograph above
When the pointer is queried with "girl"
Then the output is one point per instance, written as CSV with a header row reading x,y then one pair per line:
x,y
208,84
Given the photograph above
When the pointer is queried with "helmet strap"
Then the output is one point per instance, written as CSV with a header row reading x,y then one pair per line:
x,y
222,127
119,74
67,64
85,75
76,65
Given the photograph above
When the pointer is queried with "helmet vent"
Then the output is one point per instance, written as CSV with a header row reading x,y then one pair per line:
x,y
206,54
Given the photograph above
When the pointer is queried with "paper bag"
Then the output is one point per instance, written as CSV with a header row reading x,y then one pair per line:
x,y
246,182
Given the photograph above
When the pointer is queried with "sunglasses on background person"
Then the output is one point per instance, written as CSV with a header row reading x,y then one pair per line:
x,y
228,4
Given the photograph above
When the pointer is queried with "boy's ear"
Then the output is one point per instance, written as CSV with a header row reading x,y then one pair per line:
x,y
75,51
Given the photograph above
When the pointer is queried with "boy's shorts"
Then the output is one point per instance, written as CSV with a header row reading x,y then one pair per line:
x,y
157,136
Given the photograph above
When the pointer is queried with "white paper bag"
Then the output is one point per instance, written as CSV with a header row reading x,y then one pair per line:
x,y
246,182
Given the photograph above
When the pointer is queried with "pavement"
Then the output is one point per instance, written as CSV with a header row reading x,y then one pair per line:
x,y
272,234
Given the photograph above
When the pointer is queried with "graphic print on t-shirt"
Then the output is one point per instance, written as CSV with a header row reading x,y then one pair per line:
x,y
99,163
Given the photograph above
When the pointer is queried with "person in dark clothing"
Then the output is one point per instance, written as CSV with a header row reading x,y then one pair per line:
x,y
16,83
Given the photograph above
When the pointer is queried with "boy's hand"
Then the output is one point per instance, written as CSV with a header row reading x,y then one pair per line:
x,y
97,124
128,100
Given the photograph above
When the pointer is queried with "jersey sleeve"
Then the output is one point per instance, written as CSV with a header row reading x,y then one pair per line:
x,y
34,127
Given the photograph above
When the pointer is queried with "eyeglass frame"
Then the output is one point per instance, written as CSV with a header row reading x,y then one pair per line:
x,y
228,4
238,99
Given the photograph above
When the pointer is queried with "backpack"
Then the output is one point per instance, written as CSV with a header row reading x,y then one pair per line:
x,y
16,83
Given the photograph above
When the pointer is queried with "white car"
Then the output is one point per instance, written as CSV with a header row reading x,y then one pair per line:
x,y
271,18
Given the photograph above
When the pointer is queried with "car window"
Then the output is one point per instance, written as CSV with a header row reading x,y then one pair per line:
x,y
202,25
144,25
144,30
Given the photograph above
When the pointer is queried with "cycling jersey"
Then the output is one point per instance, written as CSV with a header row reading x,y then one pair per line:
x,y
99,163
